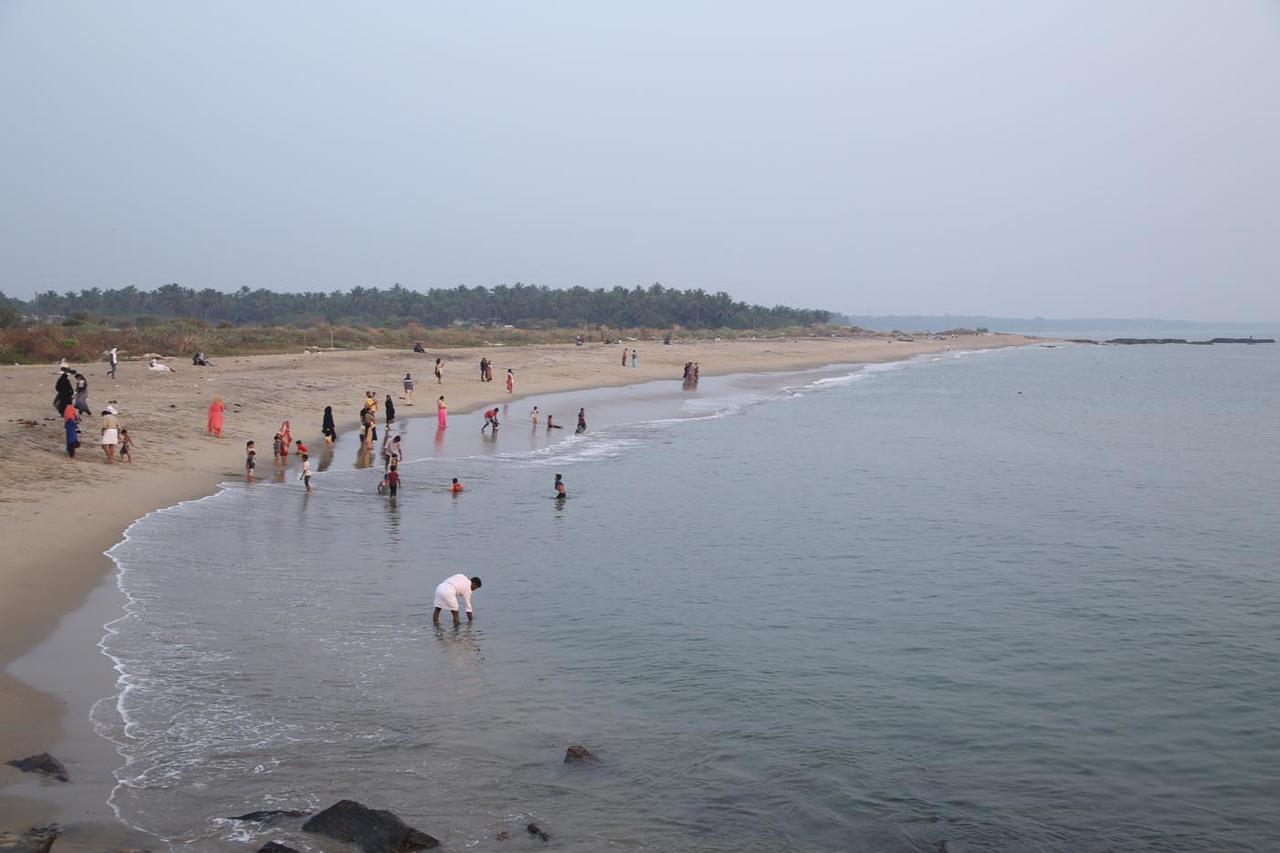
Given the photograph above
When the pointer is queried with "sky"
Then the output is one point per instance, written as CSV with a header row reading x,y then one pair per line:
x,y
1016,159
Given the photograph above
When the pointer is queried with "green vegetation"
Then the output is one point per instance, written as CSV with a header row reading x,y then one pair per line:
x,y
520,305
76,326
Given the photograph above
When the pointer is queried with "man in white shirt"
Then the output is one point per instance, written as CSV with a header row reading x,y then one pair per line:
x,y
447,594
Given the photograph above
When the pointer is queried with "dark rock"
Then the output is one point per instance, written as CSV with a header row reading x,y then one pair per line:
x,y
578,754
535,830
269,815
37,839
42,763
372,830
503,835
277,847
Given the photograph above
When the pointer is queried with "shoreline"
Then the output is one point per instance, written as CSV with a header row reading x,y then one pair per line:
x,y
59,563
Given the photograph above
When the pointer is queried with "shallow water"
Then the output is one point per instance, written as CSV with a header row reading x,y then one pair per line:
x,y
1011,600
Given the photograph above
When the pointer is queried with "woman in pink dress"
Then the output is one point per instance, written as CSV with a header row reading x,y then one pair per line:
x,y
511,381
215,417
441,413
286,439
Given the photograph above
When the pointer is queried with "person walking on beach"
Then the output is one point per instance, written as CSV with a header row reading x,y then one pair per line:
x,y
442,413
62,393
408,388
110,433
113,358
82,395
72,428
126,446
391,411
327,428
214,425
490,419
305,476
448,593
439,371
511,381
561,492
624,356
250,461
582,421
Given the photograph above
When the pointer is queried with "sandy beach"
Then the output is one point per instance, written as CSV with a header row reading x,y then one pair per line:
x,y
58,516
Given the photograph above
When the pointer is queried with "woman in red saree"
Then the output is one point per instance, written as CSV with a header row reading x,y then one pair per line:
x,y
215,417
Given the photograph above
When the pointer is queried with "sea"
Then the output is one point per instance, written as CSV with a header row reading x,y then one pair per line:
x,y
1020,599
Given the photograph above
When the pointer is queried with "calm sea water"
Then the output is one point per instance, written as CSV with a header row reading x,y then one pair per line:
x,y
1015,600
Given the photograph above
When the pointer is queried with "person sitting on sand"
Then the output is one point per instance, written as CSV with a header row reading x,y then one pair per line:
x,y
490,419
160,367
448,593
455,486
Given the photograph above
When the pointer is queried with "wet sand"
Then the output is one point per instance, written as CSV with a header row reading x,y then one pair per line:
x,y
58,516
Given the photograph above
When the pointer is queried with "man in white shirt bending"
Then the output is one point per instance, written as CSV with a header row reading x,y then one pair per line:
x,y
448,593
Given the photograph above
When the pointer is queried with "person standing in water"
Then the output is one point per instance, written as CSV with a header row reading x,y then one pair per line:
x,y
305,476
582,421
393,480
455,487
448,593
561,492
490,419
551,423
327,428
442,412
391,411
533,416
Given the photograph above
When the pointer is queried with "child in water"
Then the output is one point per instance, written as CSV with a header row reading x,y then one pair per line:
x,y
561,492
393,480
306,472
455,486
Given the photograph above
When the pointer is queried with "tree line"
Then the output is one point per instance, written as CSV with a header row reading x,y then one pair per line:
x,y
526,306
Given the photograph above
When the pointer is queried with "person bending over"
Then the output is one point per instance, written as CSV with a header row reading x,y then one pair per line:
x,y
448,593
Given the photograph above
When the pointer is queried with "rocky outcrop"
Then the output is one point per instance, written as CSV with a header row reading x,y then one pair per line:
x,y
578,754
44,763
277,847
372,830
37,839
536,831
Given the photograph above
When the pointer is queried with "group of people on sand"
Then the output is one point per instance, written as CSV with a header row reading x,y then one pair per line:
x,y
634,356
71,400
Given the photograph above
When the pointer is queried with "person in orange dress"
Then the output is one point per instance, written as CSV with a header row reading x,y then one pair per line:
x,y
215,417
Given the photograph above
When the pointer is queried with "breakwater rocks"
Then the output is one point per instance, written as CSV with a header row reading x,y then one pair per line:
x,y
1211,341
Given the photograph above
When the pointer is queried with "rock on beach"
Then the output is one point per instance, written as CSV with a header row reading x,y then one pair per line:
x,y
372,830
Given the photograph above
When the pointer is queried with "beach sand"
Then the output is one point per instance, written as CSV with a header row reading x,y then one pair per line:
x,y
58,516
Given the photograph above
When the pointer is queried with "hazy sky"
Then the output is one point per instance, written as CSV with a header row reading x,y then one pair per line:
x,y
1058,159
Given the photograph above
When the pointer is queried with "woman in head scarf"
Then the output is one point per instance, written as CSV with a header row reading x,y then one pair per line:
x,y
215,417
327,428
